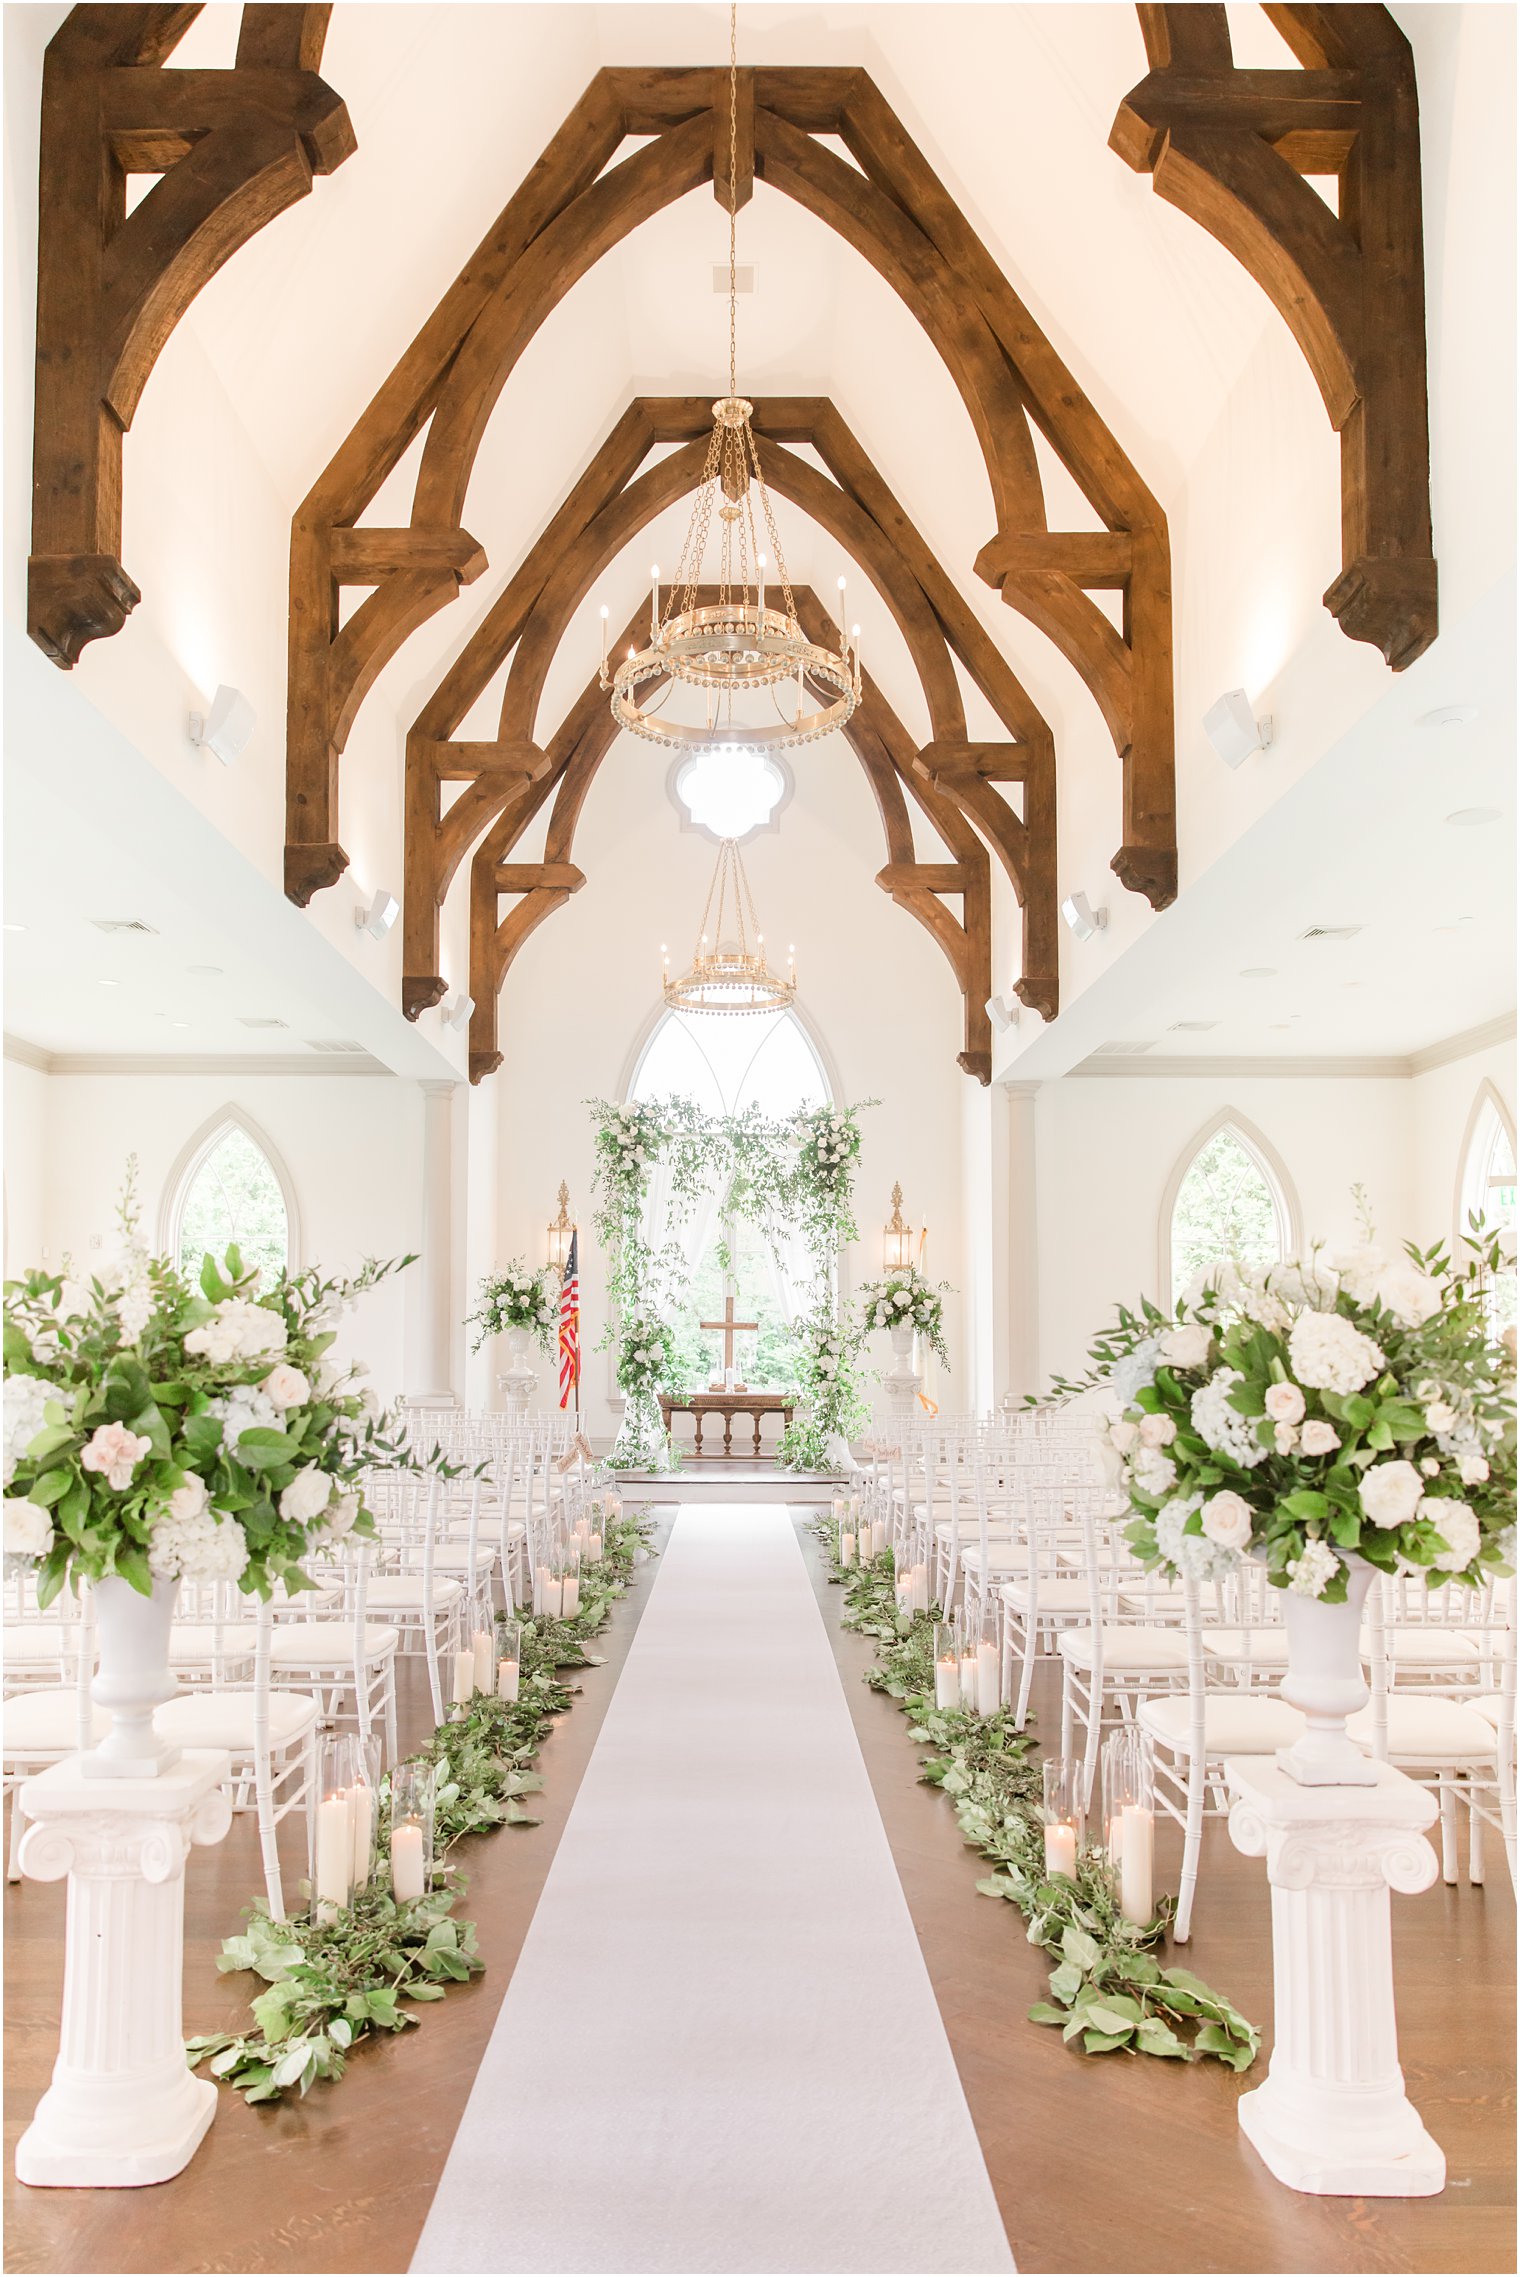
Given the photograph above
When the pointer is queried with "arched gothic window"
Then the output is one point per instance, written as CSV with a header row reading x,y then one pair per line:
x,y
228,1187
726,1062
1225,1200
1488,1192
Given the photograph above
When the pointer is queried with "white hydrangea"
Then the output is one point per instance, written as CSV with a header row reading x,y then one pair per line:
x,y
196,1545
1136,1369
1192,1554
1390,1492
245,1408
1308,1575
28,1529
134,1306
1222,1426
237,1330
1458,1528
26,1396
1329,1354
1152,1471
1369,1276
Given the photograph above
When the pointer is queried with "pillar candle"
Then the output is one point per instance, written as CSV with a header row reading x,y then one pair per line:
x,y
540,1587
921,1589
485,1655
594,1547
507,1672
947,1682
841,1507
968,1679
464,1678
554,1598
335,1854
407,1877
878,1536
361,1803
846,1548
1136,1853
570,1596
989,1680
1061,1850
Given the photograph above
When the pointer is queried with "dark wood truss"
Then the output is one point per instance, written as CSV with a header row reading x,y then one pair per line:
x,y
233,149
953,780
577,202
1232,149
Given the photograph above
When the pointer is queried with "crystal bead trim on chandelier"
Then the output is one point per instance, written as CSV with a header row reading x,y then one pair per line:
x,y
728,971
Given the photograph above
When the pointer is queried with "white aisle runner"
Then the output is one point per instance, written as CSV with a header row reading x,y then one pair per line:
x,y
720,2050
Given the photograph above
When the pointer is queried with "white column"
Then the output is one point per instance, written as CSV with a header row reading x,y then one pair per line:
x,y
123,2108
434,1375
1332,2117
1023,1250
900,1383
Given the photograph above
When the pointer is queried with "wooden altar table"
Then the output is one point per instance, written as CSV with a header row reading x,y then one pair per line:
x,y
701,1406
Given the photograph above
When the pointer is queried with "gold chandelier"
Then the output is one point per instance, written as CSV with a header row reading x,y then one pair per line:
x,y
728,971
740,644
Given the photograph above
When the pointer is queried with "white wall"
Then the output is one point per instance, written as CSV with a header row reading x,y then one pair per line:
x,y
350,1145
1442,1103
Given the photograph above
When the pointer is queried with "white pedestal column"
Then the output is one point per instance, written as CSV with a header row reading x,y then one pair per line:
x,y
1332,2117
901,1380
435,1374
123,2108
518,1382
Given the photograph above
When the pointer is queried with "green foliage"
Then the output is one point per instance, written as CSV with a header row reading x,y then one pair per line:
x,y
517,1298
1107,1988
904,1298
331,1984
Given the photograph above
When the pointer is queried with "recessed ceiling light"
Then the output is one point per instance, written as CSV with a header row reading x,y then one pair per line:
x,y
15,928
206,971
1353,984
1449,715
1258,972
110,984
1281,1027
179,1023
1468,817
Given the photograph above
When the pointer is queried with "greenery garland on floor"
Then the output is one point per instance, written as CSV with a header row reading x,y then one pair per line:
x,y
1107,1988
328,1986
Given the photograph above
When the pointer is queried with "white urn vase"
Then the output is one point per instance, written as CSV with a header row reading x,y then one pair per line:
x,y
519,1381
132,1679
901,1378
1325,1682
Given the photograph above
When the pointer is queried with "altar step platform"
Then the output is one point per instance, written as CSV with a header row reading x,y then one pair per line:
x,y
727,1479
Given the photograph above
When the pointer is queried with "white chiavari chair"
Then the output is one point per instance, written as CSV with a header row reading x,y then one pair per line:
x,y
43,1721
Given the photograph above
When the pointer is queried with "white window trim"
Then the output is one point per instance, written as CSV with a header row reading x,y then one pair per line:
x,y
1486,1097
188,1162
1268,1161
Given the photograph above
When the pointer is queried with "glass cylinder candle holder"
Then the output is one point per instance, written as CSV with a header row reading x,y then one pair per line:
x,y
570,1582
413,1792
462,1689
508,1658
983,1628
1062,1813
947,1665
363,1804
1129,1819
483,1651
331,1825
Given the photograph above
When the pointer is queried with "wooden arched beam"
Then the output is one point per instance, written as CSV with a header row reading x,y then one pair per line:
x,y
572,207
232,149
953,779
886,752
1232,149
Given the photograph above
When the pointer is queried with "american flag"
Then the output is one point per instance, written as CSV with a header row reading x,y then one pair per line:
x,y
570,1327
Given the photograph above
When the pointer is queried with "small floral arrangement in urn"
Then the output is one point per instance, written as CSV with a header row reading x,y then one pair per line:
x,y
516,1299
905,1299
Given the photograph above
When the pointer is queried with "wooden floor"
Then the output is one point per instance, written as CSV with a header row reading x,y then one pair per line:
x,y
1108,2164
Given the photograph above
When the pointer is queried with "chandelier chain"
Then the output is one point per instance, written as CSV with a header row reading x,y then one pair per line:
x,y
733,197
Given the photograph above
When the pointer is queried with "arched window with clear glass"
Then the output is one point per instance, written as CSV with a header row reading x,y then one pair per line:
x,y
231,1193
722,1065
1488,1194
1226,1201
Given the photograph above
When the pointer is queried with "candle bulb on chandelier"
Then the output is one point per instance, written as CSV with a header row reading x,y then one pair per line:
x,y
759,592
855,637
841,612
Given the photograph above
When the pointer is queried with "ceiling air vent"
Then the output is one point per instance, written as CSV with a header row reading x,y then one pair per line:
x,y
242,1023
1331,933
1122,1051
336,1044
121,925
1192,1027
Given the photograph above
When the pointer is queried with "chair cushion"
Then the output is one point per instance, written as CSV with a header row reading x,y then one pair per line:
x,y
1266,1647
454,1557
1243,1723
1124,1648
193,1644
1491,1708
1053,1596
225,1719
1425,1729
327,1644
403,1593
1423,1646
33,1644
47,1723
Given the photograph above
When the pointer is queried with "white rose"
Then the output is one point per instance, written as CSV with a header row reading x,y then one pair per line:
x,y
1157,1430
1439,1416
306,1497
28,1529
189,1500
1390,1493
1473,1469
1285,1438
1226,1519
1285,1403
1318,1438
1186,1347
1458,1529
286,1386
1123,1437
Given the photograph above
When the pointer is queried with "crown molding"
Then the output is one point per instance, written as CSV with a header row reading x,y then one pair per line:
x,y
1209,1067
191,1063
1479,1039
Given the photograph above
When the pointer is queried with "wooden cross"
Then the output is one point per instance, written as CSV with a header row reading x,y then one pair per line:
x,y
730,1328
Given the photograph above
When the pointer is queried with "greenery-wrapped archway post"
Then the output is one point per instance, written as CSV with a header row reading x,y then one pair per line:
x,y
787,1177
